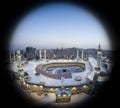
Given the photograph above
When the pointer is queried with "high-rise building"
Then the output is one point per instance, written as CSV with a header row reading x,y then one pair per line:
x,y
30,53
29,49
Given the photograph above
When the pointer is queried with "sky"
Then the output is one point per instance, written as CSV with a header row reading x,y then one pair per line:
x,y
57,25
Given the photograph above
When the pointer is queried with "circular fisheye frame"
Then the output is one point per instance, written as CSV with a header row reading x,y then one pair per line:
x,y
60,54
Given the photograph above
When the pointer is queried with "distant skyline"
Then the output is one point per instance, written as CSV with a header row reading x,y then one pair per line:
x,y
57,25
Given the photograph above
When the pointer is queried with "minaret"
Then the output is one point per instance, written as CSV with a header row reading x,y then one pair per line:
x,y
77,54
45,55
40,54
82,55
99,54
18,57
99,51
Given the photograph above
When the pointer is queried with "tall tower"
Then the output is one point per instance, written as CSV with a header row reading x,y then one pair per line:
x,y
77,54
99,54
45,55
82,55
40,54
18,57
99,51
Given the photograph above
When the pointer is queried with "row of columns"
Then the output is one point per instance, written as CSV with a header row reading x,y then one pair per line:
x,y
40,55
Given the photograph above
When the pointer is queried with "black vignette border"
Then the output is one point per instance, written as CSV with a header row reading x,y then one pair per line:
x,y
13,11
